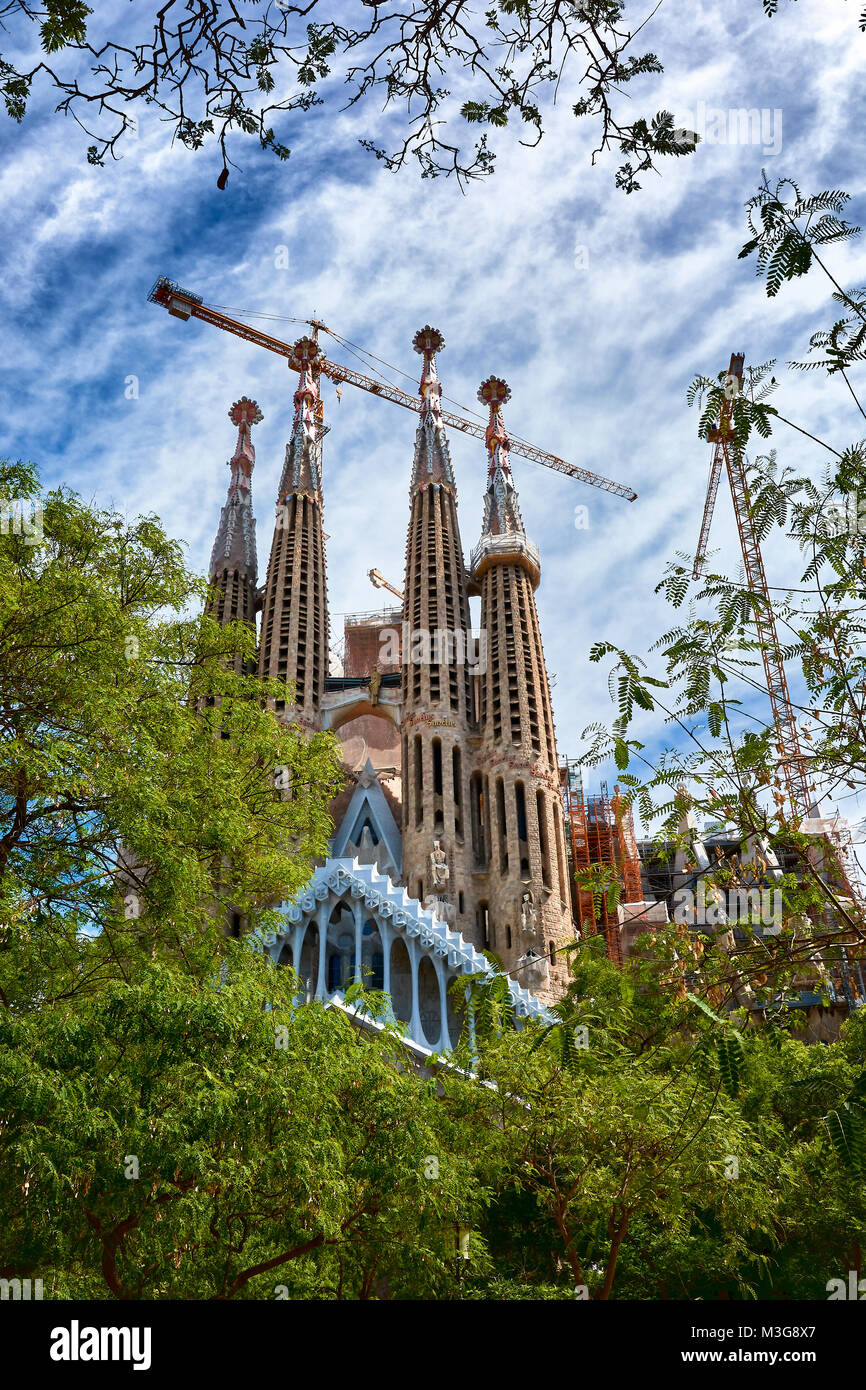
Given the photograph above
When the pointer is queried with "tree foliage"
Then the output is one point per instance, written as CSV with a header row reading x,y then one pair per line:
x,y
185,1135
192,1131
125,798
216,70
726,762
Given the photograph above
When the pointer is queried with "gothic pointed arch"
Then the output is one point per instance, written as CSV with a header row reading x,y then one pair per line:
x,y
368,811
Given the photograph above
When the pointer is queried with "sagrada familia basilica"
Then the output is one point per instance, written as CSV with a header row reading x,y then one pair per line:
x,y
449,835
458,835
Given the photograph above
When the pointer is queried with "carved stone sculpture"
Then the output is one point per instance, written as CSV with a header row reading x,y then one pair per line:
x,y
528,915
439,871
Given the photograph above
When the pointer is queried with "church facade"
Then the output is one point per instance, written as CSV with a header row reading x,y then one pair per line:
x,y
450,831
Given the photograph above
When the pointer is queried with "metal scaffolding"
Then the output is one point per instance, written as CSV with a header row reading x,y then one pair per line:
x,y
600,832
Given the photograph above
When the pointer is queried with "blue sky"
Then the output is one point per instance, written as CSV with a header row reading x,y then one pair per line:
x,y
598,345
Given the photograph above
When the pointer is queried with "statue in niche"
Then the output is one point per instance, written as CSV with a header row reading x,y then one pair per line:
x,y
439,871
528,915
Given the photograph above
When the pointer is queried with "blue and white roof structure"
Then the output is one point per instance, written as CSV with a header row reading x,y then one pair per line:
x,y
352,920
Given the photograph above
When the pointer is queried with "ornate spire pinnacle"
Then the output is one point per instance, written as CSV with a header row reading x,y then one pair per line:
x,y
235,544
302,471
427,342
501,508
432,462
244,413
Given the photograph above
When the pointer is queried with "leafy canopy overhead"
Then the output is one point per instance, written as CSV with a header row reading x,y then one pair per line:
x,y
213,70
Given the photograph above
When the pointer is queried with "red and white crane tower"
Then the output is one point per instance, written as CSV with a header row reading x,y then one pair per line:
x,y
727,455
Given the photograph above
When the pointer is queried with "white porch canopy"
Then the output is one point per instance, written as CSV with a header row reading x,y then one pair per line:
x,y
351,919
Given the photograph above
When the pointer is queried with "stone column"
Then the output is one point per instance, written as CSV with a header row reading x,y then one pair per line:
x,y
444,1043
416,1032
358,914
387,939
324,913
298,945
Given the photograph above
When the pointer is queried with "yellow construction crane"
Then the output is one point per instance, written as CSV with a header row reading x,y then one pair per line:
x,y
380,582
727,455
183,304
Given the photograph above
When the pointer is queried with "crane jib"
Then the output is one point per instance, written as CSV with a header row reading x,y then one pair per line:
x,y
183,304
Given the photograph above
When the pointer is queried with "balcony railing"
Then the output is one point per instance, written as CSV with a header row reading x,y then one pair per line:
x,y
509,544
376,616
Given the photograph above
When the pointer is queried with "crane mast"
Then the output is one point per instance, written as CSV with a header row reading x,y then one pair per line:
x,y
726,455
183,304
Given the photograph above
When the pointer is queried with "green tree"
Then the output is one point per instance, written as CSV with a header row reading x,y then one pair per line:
x,y
654,1150
624,1136
173,1125
177,1136
726,760
128,805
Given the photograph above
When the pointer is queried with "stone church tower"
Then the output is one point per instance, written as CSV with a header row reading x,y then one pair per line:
x,y
294,631
525,911
437,714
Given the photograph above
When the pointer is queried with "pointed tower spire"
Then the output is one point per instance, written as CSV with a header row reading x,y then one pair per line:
x,y
294,633
501,509
302,468
527,889
437,684
502,529
432,462
233,564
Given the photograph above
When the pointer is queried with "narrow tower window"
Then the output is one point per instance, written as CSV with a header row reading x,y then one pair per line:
x,y
457,777
520,808
563,873
419,781
541,811
477,809
438,809
437,767
483,923
501,826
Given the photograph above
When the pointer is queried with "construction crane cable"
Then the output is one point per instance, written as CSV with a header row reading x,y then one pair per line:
x,y
359,358
468,410
252,313
185,304
355,348
345,342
